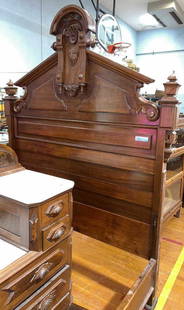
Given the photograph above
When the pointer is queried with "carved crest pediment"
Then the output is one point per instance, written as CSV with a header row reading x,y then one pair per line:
x,y
72,29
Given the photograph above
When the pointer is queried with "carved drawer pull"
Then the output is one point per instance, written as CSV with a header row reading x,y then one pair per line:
x,y
55,235
47,301
54,210
41,272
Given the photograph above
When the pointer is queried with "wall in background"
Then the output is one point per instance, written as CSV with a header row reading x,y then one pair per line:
x,y
129,35
159,52
23,30
24,34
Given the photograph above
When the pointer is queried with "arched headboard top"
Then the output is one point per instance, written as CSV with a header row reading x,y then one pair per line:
x,y
70,14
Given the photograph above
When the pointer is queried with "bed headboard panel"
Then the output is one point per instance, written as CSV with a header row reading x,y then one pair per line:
x,y
82,118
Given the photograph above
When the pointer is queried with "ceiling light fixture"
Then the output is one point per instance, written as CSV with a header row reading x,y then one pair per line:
x,y
148,20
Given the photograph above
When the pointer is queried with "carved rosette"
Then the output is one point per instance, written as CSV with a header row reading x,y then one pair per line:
x,y
72,27
151,110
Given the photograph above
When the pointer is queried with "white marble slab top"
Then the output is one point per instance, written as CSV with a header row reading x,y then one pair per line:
x,y
9,253
32,187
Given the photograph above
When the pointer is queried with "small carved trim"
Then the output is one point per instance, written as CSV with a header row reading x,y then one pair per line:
x,y
42,271
170,138
71,90
170,141
54,210
151,110
72,32
54,235
47,301
73,55
11,295
33,227
19,104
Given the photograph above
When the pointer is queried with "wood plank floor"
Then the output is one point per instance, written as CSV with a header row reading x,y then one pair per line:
x,y
171,246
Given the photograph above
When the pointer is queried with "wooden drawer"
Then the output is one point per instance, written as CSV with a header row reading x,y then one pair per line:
x,y
55,294
31,277
55,233
54,210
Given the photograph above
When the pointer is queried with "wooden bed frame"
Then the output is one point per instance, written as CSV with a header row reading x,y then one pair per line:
x,y
82,118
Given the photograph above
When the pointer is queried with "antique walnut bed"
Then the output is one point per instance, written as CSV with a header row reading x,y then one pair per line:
x,y
82,118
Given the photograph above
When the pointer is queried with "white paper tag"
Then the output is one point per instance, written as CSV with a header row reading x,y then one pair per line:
x,y
142,139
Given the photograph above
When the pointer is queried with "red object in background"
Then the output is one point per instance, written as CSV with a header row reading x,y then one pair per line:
x,y
112,47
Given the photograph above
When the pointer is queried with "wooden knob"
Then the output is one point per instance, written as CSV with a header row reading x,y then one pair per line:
x,y
54,210
55,235
41,272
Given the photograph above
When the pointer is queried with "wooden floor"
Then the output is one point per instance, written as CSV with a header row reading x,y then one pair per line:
x,y
96,285
171,246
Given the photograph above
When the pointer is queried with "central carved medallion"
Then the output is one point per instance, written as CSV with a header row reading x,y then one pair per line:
x,y
73,55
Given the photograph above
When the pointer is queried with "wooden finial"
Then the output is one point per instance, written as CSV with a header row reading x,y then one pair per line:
x,y
169,106
10,90
171,87
10,83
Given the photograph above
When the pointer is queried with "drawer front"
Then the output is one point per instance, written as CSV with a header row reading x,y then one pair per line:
x,y
55,233
55,294
32,278
54,210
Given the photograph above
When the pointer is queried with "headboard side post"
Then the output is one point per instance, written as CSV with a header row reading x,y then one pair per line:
x,y
169,103
9,102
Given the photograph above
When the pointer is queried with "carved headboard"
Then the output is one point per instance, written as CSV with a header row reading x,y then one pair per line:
x,y
82,118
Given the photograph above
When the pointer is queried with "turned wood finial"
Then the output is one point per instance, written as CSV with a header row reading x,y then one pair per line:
x,y
10,89
171,87
169,105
